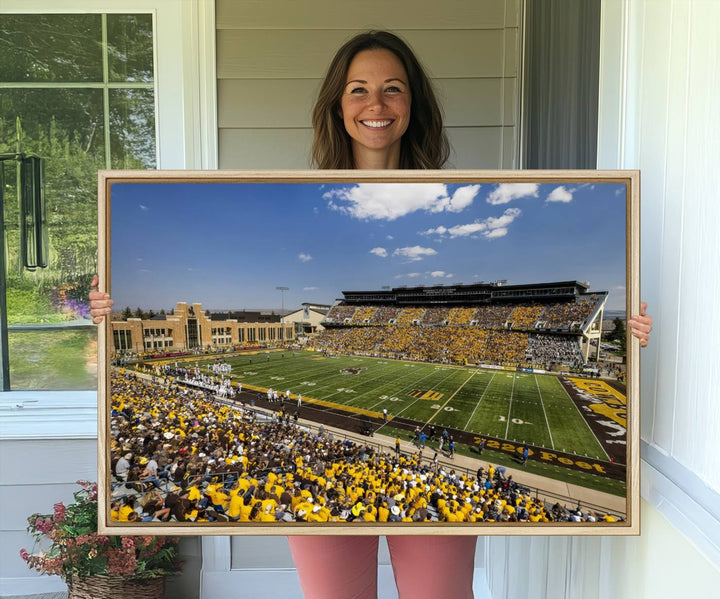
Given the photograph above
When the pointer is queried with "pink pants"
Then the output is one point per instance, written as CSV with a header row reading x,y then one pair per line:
x,y
425,567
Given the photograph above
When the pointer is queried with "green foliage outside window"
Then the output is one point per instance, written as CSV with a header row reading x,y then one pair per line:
x,y
81,105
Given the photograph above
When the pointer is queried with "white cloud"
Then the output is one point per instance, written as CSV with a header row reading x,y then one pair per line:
x,y
466,230
560,194
304,257
390,237
507,192
490,228
310,288
496,233
389,201
440,274
503,221
437,231
143,207
409,275
414,253
461,199
380,252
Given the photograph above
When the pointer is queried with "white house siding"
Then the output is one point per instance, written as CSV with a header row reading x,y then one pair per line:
x,y
271,57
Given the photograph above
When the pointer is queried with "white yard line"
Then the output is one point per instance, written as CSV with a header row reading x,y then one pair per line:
x,y
542,403
583,419
478,403
328,380
411,404
512,391
440,409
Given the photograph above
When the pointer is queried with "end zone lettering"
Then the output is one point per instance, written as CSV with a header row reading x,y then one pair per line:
x,y
547,456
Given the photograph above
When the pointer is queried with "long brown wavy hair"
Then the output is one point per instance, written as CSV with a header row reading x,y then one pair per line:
x,y
423,146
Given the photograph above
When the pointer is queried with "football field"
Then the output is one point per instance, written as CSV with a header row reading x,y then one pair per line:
x,y
520,407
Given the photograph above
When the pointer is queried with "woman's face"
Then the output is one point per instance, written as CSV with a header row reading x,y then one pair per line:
x,y
375,105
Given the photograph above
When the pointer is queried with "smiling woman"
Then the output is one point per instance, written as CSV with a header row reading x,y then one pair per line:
x,y
375,108
364,106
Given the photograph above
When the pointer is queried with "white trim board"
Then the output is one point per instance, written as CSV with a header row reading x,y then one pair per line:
x,y
690,506
48,415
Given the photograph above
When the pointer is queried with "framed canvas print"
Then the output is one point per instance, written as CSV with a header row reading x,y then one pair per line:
x,y
365,352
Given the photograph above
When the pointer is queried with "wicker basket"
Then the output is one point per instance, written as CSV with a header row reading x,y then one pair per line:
x,y
116,587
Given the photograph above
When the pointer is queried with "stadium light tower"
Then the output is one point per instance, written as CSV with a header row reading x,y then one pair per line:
x,y
282,291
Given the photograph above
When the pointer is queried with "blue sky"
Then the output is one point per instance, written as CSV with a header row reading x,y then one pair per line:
x,y
229,245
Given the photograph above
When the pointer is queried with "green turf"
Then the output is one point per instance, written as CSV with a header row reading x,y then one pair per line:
x,y
520,407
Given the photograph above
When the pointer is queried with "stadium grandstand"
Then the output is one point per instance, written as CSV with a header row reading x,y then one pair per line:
x,y
544,325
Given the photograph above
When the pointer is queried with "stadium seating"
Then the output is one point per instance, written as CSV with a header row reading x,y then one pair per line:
x,y
218,463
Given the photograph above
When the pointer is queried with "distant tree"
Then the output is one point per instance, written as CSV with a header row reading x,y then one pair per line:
x,y
619,334
150,314
162,312
127,313
138,313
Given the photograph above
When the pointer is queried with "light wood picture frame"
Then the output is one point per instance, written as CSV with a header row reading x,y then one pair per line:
x,y
293,352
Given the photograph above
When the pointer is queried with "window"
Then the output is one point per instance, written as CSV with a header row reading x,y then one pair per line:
x,y
78,91
122,340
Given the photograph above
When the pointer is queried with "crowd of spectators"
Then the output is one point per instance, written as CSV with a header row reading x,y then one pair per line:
x,y
363,313
493,317
410,315
546,351
566,315
435,315
340,313
384,314
190,458
445,344
461,315
556,316
525,317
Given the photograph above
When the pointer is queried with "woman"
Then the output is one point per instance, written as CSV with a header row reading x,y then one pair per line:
x,y
377,110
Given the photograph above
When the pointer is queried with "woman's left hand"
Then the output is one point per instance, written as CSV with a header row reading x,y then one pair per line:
x,y
641,325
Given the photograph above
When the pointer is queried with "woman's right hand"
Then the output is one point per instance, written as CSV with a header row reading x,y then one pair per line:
x,y
100,302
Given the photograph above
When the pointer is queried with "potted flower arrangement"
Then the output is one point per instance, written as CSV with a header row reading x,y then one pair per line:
x,y
95,566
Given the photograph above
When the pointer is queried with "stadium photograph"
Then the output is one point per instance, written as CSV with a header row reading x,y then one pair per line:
x,y
299,355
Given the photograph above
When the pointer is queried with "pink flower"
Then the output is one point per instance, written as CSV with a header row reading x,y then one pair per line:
x,y
24,555
43,526
128,543
121,562
59,512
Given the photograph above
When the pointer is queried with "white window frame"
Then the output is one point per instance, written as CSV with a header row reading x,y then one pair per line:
x,y
186,136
